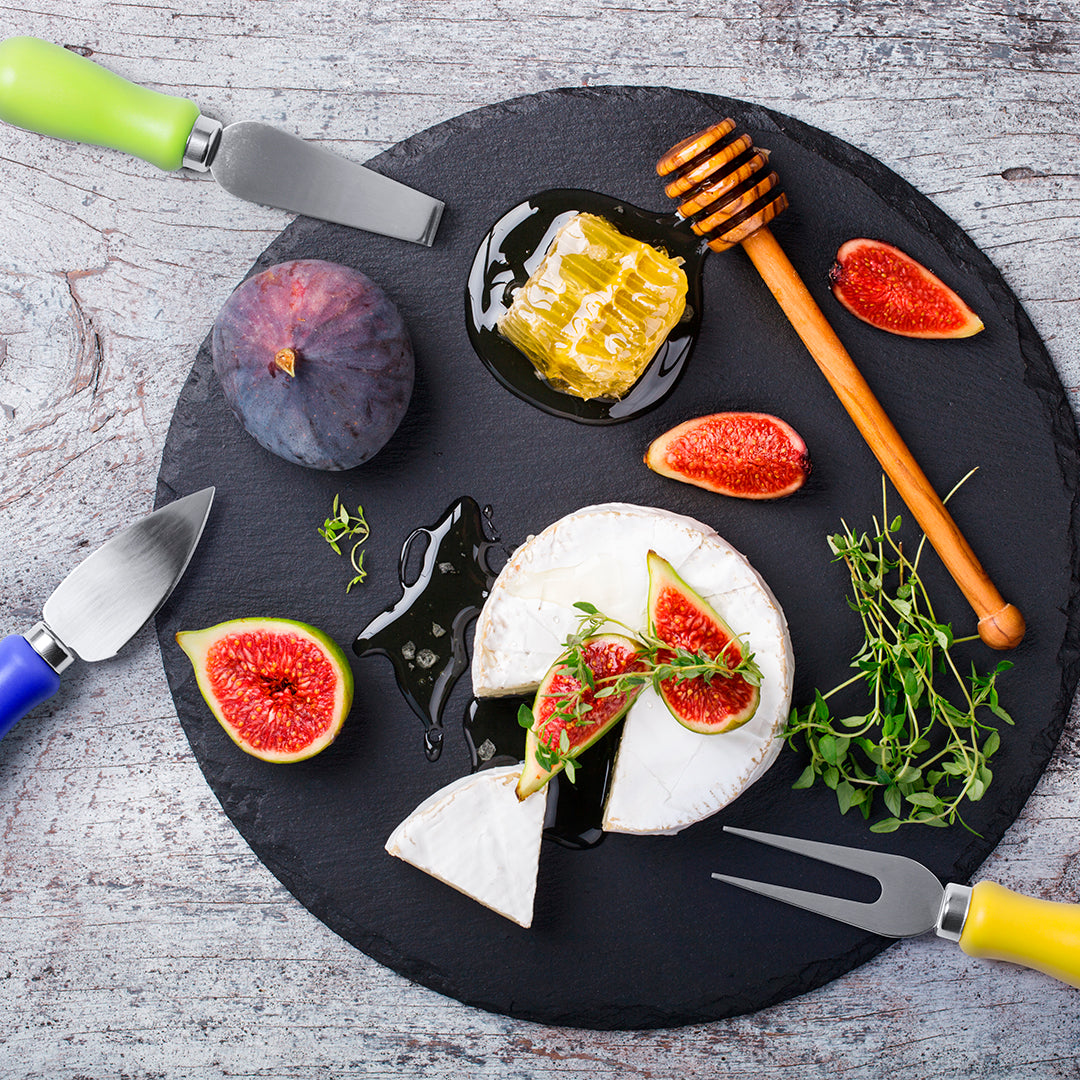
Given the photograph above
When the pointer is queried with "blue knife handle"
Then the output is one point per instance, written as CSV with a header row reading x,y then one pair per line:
x,y
26,680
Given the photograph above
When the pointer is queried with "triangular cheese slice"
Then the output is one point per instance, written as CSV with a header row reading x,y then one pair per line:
x,y
477,837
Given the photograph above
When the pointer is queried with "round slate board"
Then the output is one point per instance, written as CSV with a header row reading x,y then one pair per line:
x,y
632,933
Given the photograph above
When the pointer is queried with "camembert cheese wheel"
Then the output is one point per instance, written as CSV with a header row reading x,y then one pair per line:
x,y
665,777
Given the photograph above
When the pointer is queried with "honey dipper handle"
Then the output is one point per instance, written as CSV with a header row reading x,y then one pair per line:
x,y
1001,626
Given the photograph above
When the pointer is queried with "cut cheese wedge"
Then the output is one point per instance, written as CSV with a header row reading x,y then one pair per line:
x,y
475,836
665,777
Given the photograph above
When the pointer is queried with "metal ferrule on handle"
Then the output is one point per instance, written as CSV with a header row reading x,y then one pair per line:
x,y
202,144
954,909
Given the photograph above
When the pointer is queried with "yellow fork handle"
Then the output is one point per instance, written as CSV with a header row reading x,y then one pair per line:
x,y
1040,934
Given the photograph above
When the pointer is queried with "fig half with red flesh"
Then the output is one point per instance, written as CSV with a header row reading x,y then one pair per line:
x,y
746,454
681,618
281,689
886,288
607,656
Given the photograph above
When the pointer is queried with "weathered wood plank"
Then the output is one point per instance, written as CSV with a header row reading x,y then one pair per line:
x,y
141,937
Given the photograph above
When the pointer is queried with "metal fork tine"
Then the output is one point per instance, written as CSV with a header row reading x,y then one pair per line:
x,y
910,899
854,912
871,863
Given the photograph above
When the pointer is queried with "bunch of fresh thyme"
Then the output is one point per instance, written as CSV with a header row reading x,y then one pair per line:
x,y
341,524
656,661
921,751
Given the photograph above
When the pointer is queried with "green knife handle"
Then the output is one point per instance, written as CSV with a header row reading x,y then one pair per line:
x,y
53,91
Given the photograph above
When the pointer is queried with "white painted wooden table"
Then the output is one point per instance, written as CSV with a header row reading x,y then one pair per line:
x,y
140,936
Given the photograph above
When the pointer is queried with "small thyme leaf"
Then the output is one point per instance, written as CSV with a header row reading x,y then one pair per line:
x,y
358,566
342,524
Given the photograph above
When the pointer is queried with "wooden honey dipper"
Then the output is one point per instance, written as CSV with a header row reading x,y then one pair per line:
x,y
724,186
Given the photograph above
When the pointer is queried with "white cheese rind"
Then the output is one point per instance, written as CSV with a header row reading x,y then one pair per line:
x,y
475,836
665,777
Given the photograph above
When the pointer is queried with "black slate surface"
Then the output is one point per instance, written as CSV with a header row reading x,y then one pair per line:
x,y
633,933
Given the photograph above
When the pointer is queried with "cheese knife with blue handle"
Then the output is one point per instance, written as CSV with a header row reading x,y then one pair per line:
x,y
101,604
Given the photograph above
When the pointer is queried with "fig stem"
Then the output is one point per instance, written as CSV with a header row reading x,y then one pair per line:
x,y
286,360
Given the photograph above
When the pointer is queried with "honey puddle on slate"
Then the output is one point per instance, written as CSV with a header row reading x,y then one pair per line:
x,y
424,637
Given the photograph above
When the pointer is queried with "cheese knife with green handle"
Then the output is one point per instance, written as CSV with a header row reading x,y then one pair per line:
x,y
53,91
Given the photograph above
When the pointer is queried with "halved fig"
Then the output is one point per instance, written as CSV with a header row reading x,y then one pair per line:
x,y
281,689
886,288
682,619
746,454
607,656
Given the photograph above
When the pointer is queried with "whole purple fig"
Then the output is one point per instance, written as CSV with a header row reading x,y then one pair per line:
x,y
315,362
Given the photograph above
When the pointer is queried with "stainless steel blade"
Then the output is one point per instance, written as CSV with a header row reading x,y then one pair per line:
x,y
268,166
911,896
103,602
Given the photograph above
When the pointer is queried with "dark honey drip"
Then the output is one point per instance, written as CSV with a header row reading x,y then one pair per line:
x,y
492,733
574,811
514,248
423,634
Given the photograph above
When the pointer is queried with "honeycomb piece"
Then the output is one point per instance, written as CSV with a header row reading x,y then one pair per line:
x,y
594,312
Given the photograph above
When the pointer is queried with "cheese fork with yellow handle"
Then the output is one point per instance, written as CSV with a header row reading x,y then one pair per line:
x,y
987,920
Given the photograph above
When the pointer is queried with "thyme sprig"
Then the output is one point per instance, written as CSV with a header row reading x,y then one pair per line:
x,y
923,752
343,525
657,662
